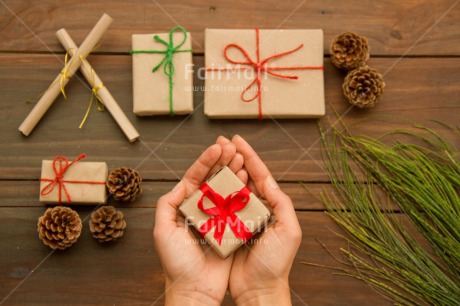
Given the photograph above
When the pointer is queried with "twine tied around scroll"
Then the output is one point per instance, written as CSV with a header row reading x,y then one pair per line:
x,y
94,89
64,75
167,60
60,166
260,66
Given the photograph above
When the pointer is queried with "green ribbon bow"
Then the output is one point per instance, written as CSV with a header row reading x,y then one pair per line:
x,y
167,60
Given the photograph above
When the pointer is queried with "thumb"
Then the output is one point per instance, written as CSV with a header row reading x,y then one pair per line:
x,y
166,213
282,205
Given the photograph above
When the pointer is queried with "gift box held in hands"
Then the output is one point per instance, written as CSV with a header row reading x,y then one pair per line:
x,y
225,212
64,181
264,74
162,73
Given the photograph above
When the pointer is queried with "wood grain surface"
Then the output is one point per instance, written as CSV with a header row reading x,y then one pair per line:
x,y
129,271
417,89
414,44
393,27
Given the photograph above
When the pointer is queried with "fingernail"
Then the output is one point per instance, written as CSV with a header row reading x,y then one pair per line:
x,y
272,183
236,135
177,187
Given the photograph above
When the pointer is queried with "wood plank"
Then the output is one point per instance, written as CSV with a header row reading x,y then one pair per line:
x,y
393,27
305,197
25,194
129,271
418,89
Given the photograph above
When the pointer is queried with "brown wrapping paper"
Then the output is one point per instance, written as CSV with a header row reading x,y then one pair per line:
x,y
80,193
60,82
151,89
103,93
255,215
281,98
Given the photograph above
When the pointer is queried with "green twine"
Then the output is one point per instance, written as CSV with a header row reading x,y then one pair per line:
x,y
168,68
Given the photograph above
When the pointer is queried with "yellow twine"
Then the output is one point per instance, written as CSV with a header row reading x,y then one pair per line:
x,y
94,89
64,74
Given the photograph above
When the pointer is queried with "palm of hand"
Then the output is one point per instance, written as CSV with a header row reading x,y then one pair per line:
x,y
198,267
262,257
196,273
191,268
265,259
263,266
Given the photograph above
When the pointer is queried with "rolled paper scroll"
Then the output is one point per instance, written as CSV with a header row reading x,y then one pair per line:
x,y
64,76
99,89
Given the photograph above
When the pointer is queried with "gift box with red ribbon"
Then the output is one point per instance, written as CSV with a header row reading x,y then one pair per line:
x,y
225,212
64,181
264,74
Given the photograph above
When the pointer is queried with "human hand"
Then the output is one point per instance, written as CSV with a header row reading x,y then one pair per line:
x,y
259,274
194,274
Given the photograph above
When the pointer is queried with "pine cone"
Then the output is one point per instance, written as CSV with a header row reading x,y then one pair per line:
x,y
107,224
59,227
363,87
349,51
124,184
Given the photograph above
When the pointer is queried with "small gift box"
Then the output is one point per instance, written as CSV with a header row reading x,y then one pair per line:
x,y
63,181
162,73
264,73
225,212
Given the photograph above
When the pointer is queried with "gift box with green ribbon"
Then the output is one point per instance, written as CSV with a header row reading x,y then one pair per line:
x,y
162,73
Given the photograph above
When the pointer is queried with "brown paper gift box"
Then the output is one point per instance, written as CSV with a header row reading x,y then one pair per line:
x,y
280,98
151,89
82,193
254,215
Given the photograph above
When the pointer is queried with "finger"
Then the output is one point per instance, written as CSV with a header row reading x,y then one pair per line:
x,y
228,153
236,164
252,162
166,212
200,169
180,221
266,184
251,186
283,209
222,140
243,176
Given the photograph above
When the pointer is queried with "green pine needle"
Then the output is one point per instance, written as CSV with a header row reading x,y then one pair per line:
x,y
423,181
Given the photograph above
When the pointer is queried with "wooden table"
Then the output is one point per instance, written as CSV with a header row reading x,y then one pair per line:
x,y
415,44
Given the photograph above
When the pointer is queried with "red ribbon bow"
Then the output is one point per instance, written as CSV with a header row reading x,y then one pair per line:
x,y
60,166
223,213
261,66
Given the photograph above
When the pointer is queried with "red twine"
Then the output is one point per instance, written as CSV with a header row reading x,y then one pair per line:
x,y
223,213
260,66
60,166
